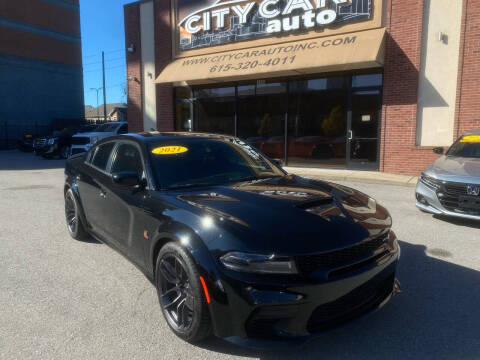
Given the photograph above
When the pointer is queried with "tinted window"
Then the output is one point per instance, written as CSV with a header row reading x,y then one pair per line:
x,y
128,159
100,159
367,80
192,162
107,127
123,129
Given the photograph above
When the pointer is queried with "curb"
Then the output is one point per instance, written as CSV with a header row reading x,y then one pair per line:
x,y
355,176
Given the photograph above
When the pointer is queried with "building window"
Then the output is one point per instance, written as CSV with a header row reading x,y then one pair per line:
x,y
183,109
324,121
215,110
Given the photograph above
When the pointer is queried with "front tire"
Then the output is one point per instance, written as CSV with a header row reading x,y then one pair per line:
x,y
72,216
180,294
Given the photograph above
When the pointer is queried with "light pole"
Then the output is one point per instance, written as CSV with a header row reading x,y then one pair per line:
x,y
97,90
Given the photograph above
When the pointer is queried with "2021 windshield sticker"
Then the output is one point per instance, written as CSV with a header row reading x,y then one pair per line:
x,y
169,150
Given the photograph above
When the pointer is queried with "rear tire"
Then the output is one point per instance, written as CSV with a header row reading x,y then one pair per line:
x,y
181,295
72,215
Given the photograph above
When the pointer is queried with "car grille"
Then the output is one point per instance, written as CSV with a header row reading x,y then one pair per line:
x,y
40,142
359,301
338,258
80,140
449,196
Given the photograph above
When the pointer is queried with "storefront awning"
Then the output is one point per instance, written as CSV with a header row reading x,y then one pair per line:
x,y
359,50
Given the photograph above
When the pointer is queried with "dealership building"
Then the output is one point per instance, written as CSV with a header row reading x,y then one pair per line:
x,y
353,84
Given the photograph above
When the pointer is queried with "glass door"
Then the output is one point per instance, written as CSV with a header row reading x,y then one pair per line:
x,y
363,130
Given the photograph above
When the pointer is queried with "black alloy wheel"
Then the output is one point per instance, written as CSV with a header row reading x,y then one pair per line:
x,y
74,223
179,291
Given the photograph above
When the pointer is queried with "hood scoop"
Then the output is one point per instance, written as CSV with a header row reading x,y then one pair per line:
x,y
324,207
315,203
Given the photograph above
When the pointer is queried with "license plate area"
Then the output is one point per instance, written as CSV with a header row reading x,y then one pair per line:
x,y
469,202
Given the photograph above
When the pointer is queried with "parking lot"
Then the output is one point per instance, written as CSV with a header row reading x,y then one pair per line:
x,y
64,299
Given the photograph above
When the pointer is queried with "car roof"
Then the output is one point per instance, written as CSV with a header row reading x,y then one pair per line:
x,y
472,132
155,136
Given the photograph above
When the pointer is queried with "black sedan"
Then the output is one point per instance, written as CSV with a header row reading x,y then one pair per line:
x,y
235,246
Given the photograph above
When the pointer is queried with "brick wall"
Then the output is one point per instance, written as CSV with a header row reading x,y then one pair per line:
x,y
468,89
134,67
163,56
399,153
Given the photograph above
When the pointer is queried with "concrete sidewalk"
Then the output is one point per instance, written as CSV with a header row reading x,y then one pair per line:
x,y
372,177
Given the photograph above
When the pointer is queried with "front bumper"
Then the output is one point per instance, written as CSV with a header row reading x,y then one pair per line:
x,y
264,312
427,200
46,150
77,149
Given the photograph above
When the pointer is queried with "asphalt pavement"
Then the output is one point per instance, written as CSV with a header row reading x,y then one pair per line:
x,y
64,299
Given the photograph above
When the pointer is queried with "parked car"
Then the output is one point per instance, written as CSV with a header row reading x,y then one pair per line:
x,y
451,185
314,147
234,245
25,144
60,142
57,144
82,142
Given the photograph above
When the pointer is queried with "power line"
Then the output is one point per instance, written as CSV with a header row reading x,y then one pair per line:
x,y
100,53
109,68
99,62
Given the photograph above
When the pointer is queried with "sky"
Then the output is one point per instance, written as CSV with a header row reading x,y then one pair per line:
x,y
103,30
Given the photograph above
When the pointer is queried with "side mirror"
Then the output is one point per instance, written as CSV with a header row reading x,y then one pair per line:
x,y
438,150
126,178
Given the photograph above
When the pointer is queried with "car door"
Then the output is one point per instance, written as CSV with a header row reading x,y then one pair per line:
x,y
91,186
126,214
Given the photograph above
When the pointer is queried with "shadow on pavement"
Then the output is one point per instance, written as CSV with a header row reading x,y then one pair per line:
x,y
436,316
17,160
458,221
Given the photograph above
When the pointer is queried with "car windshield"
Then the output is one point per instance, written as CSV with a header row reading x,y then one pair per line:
x,y
467,146
107,128
87,128
182,163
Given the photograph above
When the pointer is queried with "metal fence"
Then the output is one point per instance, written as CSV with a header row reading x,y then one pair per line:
x,y
11,133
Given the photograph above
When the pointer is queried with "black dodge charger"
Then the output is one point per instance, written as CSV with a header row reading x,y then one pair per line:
x,y
235,246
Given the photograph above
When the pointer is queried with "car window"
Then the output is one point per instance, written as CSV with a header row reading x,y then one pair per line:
x,y
208,161
123,129
107,127
128,159
100,159
467,146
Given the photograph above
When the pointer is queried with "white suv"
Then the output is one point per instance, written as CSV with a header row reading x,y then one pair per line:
x,y
82,142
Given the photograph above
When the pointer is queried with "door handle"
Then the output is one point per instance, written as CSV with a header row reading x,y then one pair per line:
x,y
350,134
103,194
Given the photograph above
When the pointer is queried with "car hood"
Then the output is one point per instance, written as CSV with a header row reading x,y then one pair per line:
x,y
288,214
455,169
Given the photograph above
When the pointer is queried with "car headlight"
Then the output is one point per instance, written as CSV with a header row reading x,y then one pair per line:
x,y
430,182
93,140
51,141
254,263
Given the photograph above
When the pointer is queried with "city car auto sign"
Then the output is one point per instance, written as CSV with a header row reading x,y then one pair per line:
x,y
223,21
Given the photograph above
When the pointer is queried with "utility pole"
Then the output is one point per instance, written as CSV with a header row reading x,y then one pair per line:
x,y
104,89
97,90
